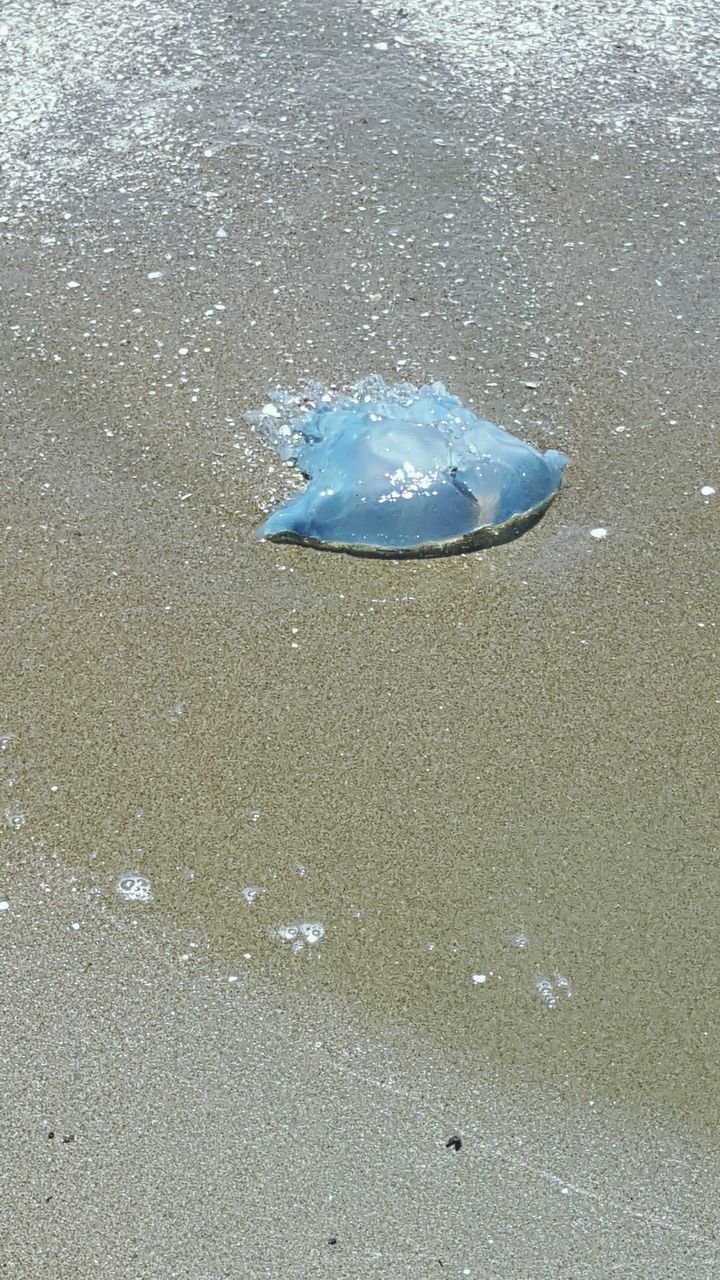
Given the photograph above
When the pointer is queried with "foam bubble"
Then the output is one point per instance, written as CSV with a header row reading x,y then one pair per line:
x,y
312,932
251,893
287,932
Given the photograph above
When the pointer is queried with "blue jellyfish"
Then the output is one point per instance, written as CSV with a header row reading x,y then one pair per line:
x,y
401,471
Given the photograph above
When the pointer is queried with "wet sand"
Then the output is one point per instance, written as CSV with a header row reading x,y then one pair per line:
x,y
479,775
173,1123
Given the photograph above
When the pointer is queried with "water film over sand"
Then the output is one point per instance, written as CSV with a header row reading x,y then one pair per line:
x,y
312,863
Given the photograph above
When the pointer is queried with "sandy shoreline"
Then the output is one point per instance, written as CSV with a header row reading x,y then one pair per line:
x,y
178,1119
431,760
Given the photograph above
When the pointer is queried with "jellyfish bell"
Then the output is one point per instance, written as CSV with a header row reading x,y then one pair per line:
x,y
403,472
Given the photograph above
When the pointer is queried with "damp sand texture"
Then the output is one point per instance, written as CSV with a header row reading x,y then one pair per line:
x,y
490,780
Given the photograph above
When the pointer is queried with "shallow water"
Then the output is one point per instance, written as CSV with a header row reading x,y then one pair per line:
x,y
478,776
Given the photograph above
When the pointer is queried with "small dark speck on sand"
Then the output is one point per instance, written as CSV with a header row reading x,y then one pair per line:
x,y
455,1142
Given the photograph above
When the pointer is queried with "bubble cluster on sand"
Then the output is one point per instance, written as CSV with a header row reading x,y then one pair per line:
x,y
551,992
134,888
300,934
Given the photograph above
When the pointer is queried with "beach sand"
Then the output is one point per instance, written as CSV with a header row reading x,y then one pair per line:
x,y
491,780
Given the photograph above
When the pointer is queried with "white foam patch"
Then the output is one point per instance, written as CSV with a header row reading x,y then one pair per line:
x,y
58,59
608,57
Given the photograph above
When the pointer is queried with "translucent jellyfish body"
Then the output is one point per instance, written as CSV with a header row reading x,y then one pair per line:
x,y
401,471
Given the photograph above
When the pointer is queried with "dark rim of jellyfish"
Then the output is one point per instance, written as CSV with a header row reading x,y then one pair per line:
x,y
488,535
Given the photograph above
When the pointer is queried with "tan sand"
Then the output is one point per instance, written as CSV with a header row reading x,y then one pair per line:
x,y
492,780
